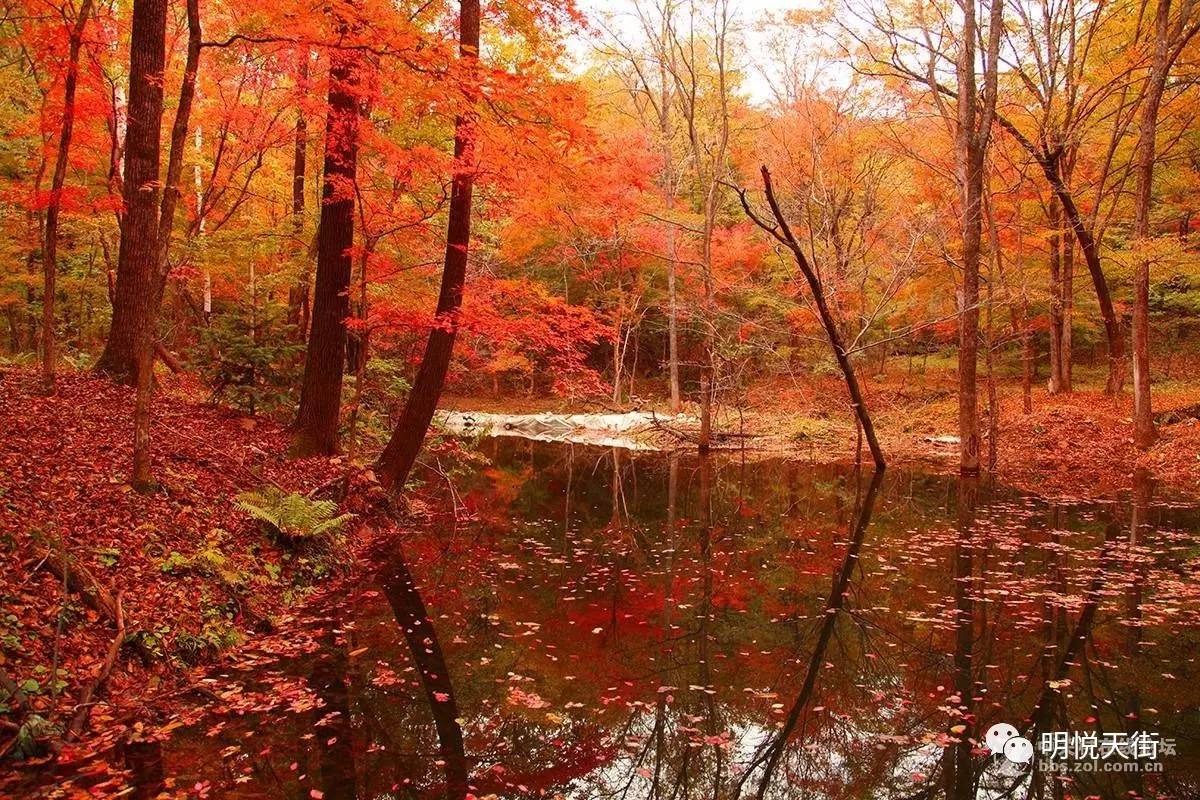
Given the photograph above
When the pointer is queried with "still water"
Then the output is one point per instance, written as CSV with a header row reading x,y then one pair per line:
x,y
605,624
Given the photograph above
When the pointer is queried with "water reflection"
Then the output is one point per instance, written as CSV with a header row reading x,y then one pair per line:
x,y
426,653
618,625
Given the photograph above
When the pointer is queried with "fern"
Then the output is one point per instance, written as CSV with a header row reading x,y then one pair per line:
x,y
293,516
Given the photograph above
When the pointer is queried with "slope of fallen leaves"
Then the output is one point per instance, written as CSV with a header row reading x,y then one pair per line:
x,y
1082,444
63,466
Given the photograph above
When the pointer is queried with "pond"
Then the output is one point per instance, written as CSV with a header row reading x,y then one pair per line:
x,y
600,623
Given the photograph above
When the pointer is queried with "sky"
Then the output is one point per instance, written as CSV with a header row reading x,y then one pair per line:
x,y
746,14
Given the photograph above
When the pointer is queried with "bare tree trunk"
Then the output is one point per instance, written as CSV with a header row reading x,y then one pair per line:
x,y
137,257
1067,300
972,131
1144,153
316,428
401,452
618,353
672,315
1027,357
1055,252
783,234
50,244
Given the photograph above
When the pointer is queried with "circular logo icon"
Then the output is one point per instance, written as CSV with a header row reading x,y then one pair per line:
x,y
1018,750
998,735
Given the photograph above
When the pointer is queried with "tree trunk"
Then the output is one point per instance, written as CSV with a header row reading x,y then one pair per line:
x,y
672,316
50,245
1144,153
1055,251
133,297
1066,297
783,233
1026,358
321,392
179,133
969,148
144,342
298,305
402,449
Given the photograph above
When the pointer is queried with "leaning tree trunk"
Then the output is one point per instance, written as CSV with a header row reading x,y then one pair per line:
x,y
783,234
50,245
1050,164
137,257
321,392
401,451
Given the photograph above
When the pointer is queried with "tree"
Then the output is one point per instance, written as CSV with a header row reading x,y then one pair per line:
x,y
149,295
133,299
972,128
402,448
54,207
922,60
781,231
1169,37
316,429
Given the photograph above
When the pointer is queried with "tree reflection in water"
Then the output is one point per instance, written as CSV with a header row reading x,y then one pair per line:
x,y
620,625
426,653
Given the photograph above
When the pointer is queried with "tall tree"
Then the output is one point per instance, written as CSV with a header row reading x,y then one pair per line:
x,y
137,257
398,457
973,125
150,296
316,428
709,166
54,207
1169,37
298,306
1050,150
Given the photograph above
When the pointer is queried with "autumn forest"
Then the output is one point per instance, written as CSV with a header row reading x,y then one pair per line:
x,y
589,399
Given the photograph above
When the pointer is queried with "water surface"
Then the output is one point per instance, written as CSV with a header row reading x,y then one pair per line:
x,y
605,624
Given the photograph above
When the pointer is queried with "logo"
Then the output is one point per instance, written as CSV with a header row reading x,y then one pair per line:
x,y
1076,751
1004,739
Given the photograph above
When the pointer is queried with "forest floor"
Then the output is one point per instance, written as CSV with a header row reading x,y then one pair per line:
x,y
192,575
195,576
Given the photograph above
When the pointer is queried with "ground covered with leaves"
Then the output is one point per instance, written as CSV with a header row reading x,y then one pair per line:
x,y
193,574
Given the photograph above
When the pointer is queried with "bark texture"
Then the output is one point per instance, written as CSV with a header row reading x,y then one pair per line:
x,y
133,296
1144,153
324,366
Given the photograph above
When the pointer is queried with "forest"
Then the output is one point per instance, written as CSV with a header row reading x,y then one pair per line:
x,y
599,398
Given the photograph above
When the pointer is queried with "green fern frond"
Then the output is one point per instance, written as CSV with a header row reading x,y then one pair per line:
x,y
293,516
